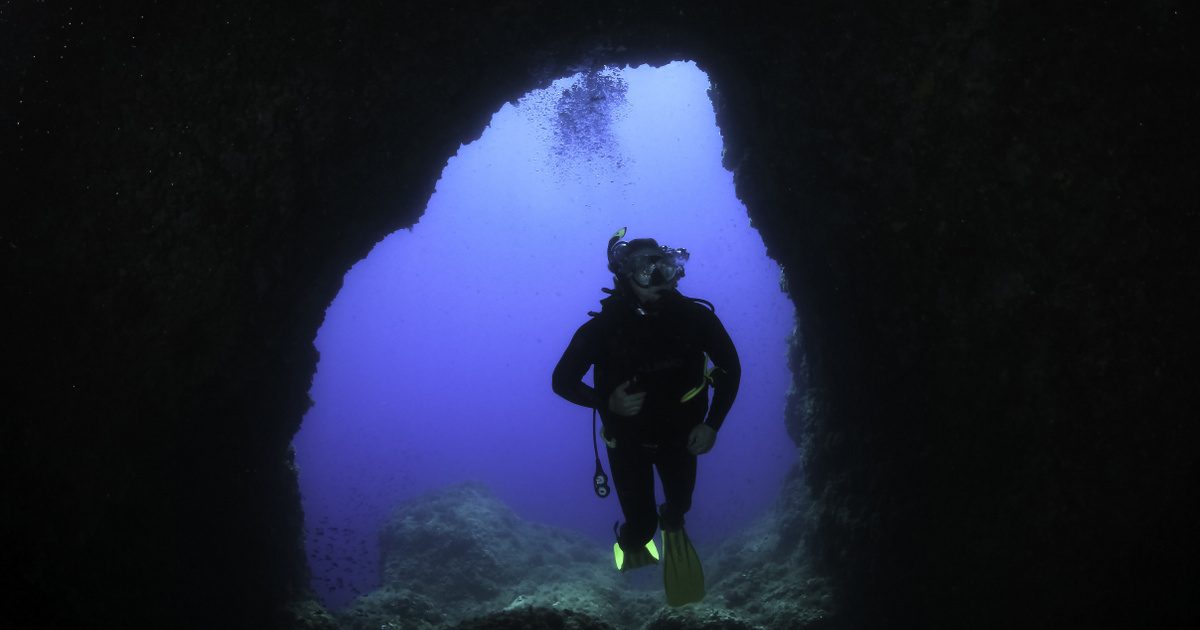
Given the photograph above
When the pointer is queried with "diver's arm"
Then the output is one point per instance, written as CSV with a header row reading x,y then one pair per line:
x,y
728,373
576,359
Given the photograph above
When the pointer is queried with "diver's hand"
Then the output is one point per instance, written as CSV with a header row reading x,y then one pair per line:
x,y
701,439
623,403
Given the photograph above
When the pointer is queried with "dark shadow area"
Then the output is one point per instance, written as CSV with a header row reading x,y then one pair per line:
x,y
984,212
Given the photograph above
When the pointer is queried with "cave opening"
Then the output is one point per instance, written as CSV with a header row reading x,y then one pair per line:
x,y
435,357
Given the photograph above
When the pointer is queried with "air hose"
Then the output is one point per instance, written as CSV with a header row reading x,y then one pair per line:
x,y
599,479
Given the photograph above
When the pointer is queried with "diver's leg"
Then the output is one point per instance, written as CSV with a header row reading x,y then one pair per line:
x,y
633,476
683,574
677,470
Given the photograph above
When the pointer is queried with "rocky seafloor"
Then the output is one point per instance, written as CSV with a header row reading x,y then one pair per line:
x,y
460,558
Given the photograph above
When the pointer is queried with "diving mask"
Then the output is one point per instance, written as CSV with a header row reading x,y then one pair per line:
x,y
655,268
644,260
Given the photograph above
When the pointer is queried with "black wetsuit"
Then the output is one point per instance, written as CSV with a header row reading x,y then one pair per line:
x,y
662,353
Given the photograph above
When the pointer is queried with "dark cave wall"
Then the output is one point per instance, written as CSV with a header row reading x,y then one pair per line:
x,y
1000,245
983,213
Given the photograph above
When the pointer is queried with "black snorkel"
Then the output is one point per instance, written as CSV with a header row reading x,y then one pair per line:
x,y
612,248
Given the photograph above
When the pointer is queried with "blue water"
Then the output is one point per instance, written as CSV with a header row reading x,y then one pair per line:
x,y
436,355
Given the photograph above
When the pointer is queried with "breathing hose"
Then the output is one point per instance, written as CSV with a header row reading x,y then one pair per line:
x,y
599,479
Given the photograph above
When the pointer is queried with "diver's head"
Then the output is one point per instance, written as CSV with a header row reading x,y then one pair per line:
x,y
646,268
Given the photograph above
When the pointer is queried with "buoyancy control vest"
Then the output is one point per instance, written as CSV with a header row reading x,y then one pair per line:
x,y
659,351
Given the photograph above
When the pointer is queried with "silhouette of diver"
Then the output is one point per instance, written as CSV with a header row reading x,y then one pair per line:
x,y
650,346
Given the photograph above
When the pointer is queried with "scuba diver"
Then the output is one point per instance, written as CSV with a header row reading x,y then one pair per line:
x,y
650,347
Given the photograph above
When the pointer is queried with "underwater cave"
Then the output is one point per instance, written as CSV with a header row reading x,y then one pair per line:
x,y
984,213
436,353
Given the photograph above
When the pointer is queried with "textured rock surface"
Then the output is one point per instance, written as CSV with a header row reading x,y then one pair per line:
x,y
985,213
459,554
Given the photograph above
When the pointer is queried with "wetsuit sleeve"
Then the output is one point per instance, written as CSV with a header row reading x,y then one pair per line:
x,y
728,373
578,357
